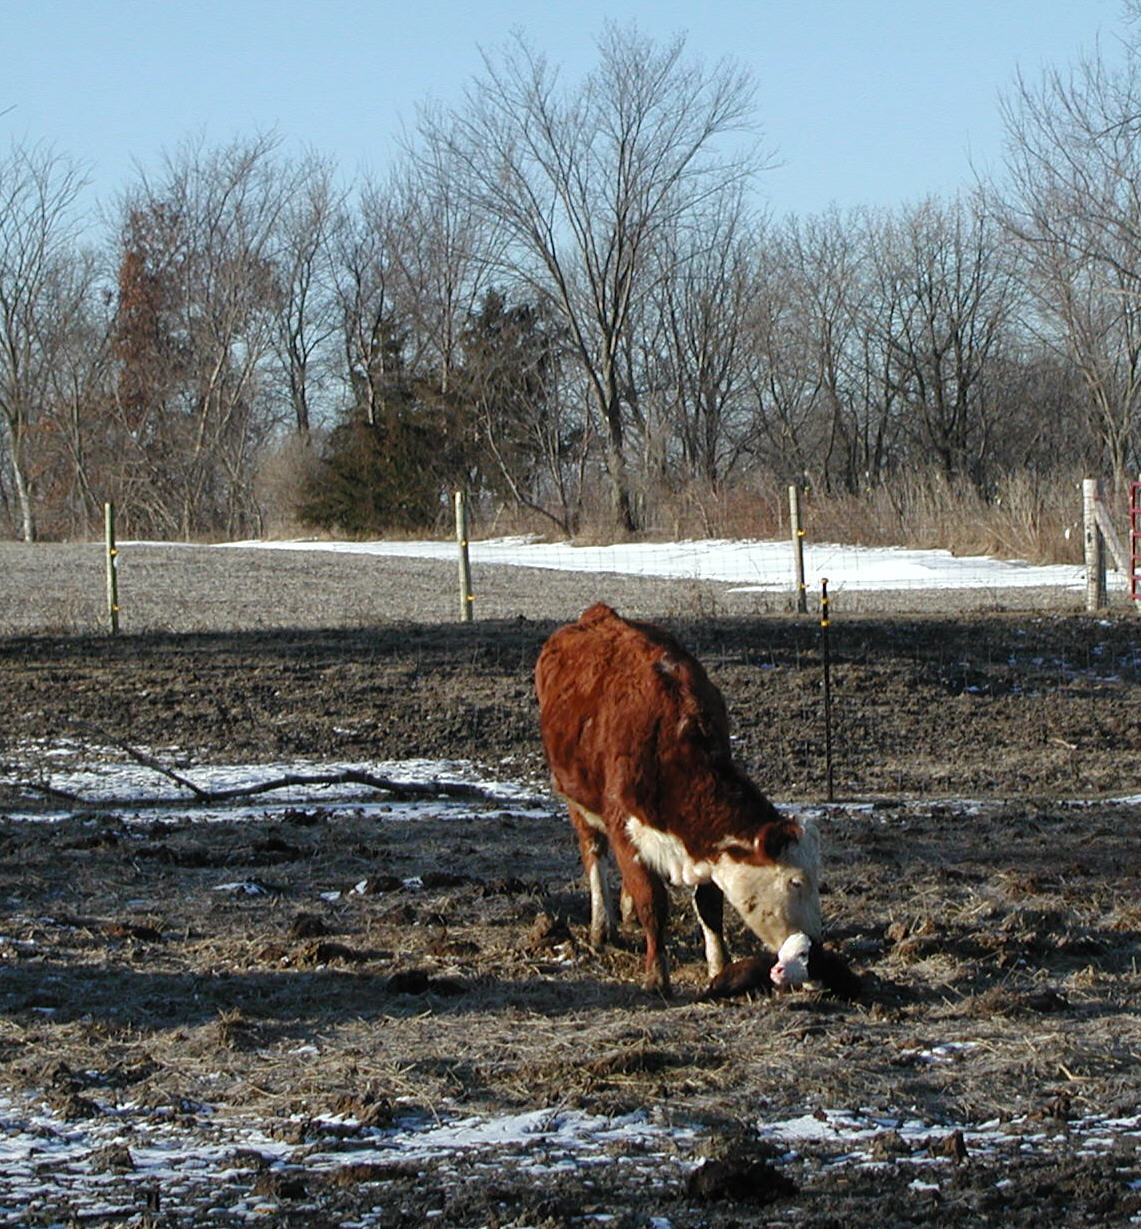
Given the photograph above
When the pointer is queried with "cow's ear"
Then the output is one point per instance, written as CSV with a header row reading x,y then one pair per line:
x,y
773,839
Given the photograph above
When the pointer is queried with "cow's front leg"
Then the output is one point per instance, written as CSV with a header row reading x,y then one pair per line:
x,y
651,903
709,902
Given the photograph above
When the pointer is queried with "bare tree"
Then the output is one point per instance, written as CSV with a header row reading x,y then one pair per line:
x,y
80,393
783,376
196,334
365,273
40,299
947,310
443,260
304,302
702,306
1073,199
827,265
529,439
582,185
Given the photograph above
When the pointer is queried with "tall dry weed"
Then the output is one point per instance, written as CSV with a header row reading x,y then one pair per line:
x,y
1024,516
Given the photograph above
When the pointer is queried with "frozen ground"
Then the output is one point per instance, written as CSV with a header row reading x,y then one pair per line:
x,y
344,1004
102,1154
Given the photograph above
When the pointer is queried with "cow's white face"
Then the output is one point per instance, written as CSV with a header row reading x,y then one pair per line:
x,y
775,899
779,899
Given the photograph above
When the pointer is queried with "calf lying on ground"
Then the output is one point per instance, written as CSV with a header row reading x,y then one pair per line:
x,y
637,739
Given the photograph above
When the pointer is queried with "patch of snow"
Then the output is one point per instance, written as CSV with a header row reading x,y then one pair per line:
x,y
847,1135
751,565
203,1159
210,1161
248,887
947,1052
102,775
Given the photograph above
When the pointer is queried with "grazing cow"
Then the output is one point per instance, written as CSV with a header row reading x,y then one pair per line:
x,y
637,740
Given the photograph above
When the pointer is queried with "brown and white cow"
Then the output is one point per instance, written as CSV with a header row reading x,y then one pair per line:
x,y
637,739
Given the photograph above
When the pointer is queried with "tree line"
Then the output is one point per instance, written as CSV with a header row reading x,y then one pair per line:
x,y
564,300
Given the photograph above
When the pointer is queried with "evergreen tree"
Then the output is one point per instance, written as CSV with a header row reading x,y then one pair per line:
x,y
386,465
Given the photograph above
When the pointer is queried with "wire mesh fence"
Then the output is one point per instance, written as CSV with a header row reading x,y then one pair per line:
x,y
61,588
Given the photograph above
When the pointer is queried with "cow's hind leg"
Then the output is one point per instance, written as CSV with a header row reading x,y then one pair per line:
x,y
709,902
592,845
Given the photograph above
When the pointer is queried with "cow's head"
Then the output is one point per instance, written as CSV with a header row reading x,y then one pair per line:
x,y
774,883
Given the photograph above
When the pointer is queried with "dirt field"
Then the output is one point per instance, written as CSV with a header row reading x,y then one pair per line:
x,y
311,976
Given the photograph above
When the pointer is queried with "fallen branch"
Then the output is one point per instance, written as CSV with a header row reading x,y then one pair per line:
x,y
400,791
140,757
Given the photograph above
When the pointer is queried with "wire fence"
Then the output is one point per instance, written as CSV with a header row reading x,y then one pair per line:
x,y
62,588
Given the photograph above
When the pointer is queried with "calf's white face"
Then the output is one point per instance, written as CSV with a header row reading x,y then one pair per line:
x,y
791,968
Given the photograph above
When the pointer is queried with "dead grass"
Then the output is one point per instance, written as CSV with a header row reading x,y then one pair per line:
x,y
1021,518
447,998
997,939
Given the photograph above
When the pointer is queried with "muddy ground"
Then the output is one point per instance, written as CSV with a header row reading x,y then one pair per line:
x,y
982,862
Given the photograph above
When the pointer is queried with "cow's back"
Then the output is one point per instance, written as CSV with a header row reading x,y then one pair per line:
x,y
617,697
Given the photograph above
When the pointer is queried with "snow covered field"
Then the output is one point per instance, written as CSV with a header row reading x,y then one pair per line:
x,y
746,564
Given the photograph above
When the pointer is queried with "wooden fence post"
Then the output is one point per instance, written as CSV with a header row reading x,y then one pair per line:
x,y
797,548
1134,540
1094,545
112,567
466,598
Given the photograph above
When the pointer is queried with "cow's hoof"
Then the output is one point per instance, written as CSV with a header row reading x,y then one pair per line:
x,y
655,983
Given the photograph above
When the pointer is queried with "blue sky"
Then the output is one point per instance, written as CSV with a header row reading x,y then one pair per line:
x,y
866,102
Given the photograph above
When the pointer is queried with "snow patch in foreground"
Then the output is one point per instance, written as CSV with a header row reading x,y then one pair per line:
x,y
204,1161
201,1160
107,776
846,1135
